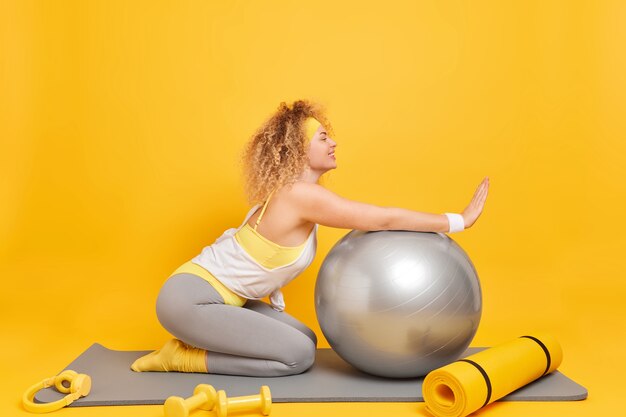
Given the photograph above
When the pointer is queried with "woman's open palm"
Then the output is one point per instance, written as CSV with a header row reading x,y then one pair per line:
x,y
475,207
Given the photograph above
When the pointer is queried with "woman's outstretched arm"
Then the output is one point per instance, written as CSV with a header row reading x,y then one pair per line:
x,y
319,205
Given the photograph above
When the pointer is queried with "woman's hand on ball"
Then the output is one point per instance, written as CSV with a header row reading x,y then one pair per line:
x,y
475,207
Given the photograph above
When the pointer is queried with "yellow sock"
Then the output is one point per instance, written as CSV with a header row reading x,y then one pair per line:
x,y
173,356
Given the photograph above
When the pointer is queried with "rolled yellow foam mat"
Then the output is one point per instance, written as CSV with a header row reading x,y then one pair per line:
x,y
464,386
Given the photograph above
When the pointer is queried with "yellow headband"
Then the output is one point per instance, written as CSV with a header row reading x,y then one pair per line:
x,y
311,124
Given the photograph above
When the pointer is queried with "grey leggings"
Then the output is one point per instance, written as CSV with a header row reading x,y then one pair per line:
x,y
253,340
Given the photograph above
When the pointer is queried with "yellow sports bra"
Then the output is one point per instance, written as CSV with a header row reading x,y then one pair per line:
x,y
264,251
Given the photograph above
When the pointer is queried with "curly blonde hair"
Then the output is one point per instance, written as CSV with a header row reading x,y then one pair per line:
x,y
276,153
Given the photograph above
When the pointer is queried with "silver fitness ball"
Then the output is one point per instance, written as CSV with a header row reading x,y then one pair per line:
x,y
398,303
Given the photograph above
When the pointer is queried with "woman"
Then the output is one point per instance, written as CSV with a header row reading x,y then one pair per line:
x,y
211,304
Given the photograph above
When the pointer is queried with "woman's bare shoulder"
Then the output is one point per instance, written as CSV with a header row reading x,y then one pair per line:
x,y
302,192
303,187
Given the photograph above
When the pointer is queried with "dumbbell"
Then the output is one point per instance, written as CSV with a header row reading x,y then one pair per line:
x,y
262,401
204,397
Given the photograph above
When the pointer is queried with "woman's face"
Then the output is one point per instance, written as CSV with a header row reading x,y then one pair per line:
x,y
322,151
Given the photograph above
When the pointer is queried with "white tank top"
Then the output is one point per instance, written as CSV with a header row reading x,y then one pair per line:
x,y
243,275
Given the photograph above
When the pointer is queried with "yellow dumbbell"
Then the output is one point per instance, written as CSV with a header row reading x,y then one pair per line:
x,y
262,402
204,397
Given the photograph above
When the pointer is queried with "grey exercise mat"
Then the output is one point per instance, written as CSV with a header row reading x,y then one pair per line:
x,y
330,379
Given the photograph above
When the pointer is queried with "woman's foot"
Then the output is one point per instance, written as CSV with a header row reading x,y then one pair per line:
x,y
174,356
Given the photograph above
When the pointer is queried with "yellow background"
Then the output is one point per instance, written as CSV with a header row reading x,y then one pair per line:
x,y
121,125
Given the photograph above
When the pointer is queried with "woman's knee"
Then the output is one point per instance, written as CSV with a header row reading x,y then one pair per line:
x,y
301,358
311,335
266,310
309,358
